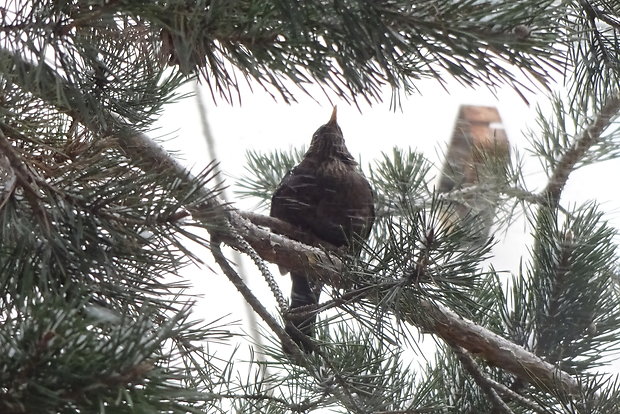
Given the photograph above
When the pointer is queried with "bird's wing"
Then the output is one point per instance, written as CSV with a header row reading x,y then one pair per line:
x,y
370,211
293,200
301,200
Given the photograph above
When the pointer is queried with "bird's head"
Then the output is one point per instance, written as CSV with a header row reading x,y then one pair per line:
x,y
328,141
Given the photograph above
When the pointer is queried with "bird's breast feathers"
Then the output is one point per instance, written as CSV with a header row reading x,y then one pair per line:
x,y
334,168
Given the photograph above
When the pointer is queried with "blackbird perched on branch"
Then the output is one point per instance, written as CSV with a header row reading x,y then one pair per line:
x,y
327,196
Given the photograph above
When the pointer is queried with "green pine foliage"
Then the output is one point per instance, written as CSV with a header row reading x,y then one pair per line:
x,y
96,226
574,317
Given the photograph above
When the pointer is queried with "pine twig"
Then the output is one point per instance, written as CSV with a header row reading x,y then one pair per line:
x,y
595,13
482,380
250,298
346,297
586,139
512,395
546,331
10,181
491,385
344,393
25,180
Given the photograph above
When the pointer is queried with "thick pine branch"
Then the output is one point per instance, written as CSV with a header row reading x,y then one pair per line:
x,y
274,248
430,317
437,319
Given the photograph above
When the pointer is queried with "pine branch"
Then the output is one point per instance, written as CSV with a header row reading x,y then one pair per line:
x,y
249,297
569,328
344,391
437,319
430,316
354,48
282,227
26,181
481,379
593,30
572,260
588,137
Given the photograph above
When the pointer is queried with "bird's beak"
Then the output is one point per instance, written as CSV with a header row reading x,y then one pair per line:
x,y
333,119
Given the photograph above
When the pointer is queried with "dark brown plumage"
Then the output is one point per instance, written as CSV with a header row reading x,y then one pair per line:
x,y
326,195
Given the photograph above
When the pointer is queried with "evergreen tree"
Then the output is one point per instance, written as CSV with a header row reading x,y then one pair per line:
x,y
96,218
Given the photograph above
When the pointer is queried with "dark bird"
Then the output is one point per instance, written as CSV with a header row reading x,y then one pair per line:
x,y
327,196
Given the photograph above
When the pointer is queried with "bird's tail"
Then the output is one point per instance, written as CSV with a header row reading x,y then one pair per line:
x,y
301,327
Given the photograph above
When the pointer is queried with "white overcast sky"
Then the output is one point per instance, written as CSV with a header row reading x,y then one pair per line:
x,y
424,123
